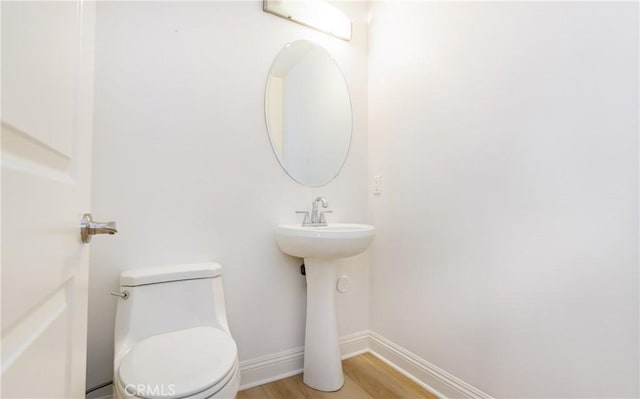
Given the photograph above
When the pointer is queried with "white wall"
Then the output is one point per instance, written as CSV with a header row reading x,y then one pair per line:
x,y
507,138
182,161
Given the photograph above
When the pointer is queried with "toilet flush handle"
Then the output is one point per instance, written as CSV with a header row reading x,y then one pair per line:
x,y
123,294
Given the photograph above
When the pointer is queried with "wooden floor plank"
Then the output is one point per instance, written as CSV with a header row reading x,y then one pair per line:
x,y
252,393
365,377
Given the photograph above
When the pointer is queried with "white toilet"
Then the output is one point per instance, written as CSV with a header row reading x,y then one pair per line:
x,y
171,335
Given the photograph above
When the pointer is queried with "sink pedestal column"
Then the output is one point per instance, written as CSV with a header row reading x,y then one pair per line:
x,y
322,363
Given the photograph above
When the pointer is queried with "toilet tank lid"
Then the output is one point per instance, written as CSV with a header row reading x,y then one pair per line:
x,y
161,274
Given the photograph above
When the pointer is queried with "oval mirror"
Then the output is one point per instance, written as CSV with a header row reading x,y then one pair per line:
x,y
308,113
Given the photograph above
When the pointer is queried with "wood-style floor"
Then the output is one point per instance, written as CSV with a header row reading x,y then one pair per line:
x,y
365,377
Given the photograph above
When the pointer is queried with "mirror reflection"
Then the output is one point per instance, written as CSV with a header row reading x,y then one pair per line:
x,y
308,113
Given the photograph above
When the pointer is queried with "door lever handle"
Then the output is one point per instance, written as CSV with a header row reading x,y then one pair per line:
x,y
89,228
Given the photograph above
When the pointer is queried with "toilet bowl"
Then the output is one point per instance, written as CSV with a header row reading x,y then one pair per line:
x,y
172,339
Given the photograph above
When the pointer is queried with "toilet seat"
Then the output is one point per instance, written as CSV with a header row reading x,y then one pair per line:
x,y
195,362
228,386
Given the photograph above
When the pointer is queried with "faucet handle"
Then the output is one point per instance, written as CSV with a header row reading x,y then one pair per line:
x,y
323,220
306,220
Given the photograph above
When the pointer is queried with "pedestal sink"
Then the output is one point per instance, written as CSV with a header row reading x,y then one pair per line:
x,y
320,247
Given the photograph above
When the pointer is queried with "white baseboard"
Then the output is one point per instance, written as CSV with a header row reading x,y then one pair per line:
x,y
354,344
284,364
270,368
280,365
429,376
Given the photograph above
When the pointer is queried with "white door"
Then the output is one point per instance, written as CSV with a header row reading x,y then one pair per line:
x,y
47,77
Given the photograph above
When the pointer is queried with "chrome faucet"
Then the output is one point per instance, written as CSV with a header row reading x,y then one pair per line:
x,y
317,217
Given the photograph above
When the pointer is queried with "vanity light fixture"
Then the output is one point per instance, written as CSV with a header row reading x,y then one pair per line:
x,y
315,14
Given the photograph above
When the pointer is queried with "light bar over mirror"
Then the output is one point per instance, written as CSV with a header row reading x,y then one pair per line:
x,y
316,14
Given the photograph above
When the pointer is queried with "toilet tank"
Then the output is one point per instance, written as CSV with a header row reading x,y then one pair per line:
x,y
168,298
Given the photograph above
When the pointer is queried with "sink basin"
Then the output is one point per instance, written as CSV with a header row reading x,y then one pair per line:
x,y
321,247
337,240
